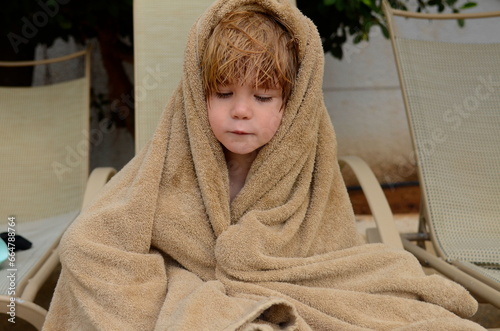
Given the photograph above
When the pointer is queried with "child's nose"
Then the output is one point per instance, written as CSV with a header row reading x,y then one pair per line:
x,y
241,110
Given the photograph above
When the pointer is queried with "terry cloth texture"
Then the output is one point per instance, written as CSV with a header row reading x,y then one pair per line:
x,y
162,248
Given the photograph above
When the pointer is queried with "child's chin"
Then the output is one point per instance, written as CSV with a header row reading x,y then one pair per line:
x,y
241,150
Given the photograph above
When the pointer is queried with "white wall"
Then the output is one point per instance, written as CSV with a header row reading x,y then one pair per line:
x,y
364,100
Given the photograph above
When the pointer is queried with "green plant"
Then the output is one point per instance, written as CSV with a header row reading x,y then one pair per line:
x,y
337,20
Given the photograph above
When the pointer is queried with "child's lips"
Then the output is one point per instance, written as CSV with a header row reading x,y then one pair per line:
x,y
239,132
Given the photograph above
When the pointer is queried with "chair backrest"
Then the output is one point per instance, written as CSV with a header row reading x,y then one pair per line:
x,y
451,92
44,147
160,34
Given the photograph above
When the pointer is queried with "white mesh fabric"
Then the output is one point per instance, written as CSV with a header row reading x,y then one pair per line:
x,y
453,92
160,35
43,150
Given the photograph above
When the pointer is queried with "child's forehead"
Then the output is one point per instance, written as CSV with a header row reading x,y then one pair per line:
x,y
249,85
253,81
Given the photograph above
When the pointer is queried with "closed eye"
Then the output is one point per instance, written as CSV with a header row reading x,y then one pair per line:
x,y
263,98
223,95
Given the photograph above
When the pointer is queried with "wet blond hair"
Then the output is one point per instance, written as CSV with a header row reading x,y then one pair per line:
x,y
249,45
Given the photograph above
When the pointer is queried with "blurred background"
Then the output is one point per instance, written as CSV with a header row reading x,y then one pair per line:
x,y
361,86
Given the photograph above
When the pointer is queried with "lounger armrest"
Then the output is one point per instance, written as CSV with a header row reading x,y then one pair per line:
x,y
97,179
376,200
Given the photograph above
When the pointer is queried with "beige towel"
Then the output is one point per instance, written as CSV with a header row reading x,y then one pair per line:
x,y
162,248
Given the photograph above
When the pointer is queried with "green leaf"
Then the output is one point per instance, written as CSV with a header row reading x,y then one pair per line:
x,y
340,5
461,23
468,5
337,52
358,39
385,31
64,23
370,3
329,2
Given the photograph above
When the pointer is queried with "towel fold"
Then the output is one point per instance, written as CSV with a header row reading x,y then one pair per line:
x,y
163,248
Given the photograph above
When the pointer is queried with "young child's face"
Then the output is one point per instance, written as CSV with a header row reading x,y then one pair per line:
x,y
244,118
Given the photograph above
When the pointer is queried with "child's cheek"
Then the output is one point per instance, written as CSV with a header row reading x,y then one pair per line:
x,y
272,126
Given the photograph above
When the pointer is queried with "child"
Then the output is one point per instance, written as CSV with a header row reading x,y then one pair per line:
x,y
235,216
249,67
